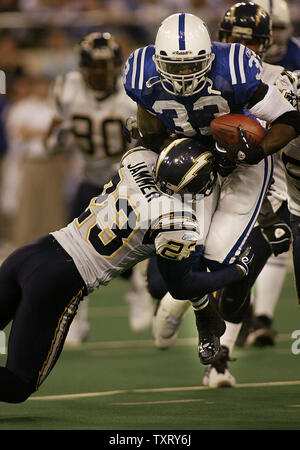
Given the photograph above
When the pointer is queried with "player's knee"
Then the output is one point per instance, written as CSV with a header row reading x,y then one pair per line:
x,y
233,308
12,388
19,396
20,393
156,284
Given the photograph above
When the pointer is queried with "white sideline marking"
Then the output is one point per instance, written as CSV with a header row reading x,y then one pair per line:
x,y
181,342
73,396
191,400
171,389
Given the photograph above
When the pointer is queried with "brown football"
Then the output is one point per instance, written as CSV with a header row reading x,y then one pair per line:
x,y
225,129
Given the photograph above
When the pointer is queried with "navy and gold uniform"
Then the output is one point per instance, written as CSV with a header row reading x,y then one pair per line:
x,y
42,284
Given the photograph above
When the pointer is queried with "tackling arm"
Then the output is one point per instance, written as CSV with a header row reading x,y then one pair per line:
x,y
269,104
184,282
154,134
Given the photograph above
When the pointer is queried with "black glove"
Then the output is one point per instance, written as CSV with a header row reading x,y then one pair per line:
x,y
244,260
279,236
224,152
223,165
244,151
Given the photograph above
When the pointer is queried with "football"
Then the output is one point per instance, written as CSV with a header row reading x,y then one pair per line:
x,y
225,129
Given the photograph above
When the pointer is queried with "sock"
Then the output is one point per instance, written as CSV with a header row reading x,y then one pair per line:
x,y
269,284
230,336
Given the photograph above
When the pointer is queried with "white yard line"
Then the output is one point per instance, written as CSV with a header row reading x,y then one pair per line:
x,y
166,389
181,342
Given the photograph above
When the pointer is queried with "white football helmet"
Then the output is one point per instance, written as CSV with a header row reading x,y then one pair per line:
x,y
183,54
281,26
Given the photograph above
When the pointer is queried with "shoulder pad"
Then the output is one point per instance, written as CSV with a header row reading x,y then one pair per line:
x,y
131,151
138,68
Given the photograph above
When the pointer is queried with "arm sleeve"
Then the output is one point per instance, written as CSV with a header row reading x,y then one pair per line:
x,y
271,106
184,282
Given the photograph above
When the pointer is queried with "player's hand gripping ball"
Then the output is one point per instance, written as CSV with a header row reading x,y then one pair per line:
x,y
237,137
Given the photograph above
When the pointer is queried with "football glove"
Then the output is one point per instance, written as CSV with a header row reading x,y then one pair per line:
x,y
244,261
279,236
223,165
244,151
131,131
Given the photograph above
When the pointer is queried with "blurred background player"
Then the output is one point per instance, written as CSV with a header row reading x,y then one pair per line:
x,y
92,109
285,48
32,188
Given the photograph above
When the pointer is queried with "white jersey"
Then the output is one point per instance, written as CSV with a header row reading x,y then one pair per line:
x,y
284,81
97,125
291,159
129,221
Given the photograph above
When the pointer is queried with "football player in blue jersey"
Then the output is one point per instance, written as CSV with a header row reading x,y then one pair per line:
x,y
42,284
180,85
184,81
285,48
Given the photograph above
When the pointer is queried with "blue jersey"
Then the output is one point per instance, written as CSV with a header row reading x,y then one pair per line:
x,y
291,59
234,76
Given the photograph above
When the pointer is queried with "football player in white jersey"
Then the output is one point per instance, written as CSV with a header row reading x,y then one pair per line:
x,y
146,208
92,106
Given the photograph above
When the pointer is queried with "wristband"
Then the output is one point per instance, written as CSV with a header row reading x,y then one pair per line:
x,y
254,156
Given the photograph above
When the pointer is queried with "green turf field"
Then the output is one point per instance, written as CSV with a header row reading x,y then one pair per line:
x,y
117,380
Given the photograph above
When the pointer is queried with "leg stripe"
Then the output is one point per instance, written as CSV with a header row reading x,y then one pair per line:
x,y
59,335
268,172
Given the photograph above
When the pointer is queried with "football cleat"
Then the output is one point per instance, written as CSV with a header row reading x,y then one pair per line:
x,y
262,333
217,375
208,349
210,326
166,321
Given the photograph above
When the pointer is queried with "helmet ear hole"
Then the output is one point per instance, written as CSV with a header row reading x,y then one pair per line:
x,y
185,167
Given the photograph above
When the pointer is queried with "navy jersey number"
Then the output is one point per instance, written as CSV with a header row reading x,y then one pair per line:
x,y
111,130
